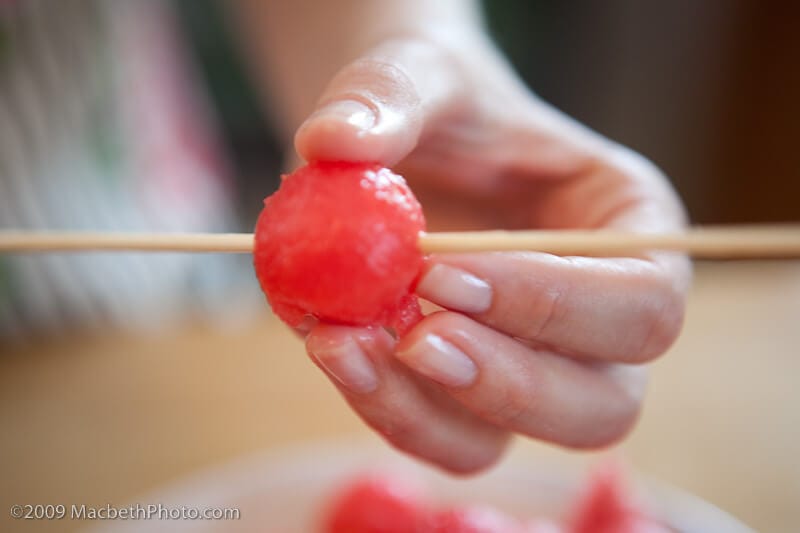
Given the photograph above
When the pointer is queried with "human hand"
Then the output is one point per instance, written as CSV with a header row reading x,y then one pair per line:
x,y
530,343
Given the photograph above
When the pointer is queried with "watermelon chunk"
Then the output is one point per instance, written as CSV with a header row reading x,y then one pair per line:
x,y
608,506
379,504
338,241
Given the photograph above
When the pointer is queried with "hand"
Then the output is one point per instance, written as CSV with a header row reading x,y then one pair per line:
x,y
530,343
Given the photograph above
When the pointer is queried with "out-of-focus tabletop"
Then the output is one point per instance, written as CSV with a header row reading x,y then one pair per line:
x,y
104,417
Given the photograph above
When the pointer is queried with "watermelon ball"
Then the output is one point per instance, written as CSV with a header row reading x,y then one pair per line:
x,y
377,503
338,242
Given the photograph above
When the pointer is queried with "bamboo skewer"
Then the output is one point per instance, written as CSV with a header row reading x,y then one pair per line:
x,y
712,242
57,241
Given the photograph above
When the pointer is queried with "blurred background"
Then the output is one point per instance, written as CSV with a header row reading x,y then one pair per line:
x,y
707,90
96,414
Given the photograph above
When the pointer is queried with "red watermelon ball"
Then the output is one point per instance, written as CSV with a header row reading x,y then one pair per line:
x,y
338,241
377,503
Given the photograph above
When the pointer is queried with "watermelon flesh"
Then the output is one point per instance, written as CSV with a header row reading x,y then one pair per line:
x,y
608,506
338,242
380,503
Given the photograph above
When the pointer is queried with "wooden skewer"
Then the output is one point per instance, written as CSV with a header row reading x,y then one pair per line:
x,y
712,242
58,241
718,242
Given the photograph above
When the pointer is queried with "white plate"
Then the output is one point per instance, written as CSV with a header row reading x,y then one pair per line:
x,y
285,492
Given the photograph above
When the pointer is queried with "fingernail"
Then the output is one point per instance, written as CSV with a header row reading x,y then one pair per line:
x,y
455,289
434,357
345,361
350,111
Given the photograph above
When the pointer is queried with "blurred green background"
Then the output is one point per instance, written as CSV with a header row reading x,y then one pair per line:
x,y
707,89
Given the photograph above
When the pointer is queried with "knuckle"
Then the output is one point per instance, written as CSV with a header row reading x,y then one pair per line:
x,y
374,79
546,311
529,305
514,408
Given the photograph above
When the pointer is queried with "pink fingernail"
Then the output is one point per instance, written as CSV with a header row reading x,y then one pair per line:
x,y
440,360
455,289
350,111
346,361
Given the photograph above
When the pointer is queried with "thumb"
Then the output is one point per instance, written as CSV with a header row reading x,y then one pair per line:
x,y
377,107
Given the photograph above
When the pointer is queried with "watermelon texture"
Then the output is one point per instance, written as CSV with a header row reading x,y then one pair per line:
x,y
338,242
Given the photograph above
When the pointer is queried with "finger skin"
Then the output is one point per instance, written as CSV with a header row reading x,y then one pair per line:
x,y
410,413
533,392
391,93
625,309
610,309
545,350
